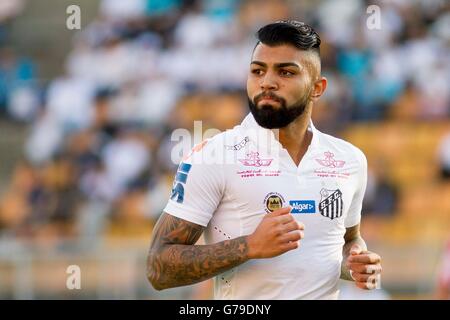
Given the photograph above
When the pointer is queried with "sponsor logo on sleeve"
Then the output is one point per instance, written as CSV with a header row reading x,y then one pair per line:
x,y
180,181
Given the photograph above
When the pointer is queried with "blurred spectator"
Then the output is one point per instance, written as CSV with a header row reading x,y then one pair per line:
x,y
124,158
18,93
443,288
444,157
14,204
407,105
381,196
8,10
44,140
336,19
69,102
118,10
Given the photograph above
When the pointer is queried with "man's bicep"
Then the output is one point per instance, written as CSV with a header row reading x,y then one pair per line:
x,y
173,230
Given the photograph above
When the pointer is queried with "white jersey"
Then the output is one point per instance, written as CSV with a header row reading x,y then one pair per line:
x,y
229,182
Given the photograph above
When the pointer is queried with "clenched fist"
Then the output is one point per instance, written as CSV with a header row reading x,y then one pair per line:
x,y
364,267
277,233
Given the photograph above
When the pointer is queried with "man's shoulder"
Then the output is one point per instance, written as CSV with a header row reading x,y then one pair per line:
x,y
343,147
229,139
214,150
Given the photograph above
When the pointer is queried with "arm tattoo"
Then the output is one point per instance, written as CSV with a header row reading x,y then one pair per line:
x,y
174,260
352,236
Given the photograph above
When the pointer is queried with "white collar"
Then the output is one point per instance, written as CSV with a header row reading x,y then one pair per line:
x,y
260,134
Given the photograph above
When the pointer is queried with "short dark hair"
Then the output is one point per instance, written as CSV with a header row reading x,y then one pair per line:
x,y
298,34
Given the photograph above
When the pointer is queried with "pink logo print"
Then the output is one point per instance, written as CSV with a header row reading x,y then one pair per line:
x,y
330,162
253,160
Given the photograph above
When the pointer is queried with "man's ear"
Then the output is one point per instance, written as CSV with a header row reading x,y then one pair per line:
x,y
319,88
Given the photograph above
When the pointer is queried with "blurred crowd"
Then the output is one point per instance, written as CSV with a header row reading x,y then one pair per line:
x,y
97,158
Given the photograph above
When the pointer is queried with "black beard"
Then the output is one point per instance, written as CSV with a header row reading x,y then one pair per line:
x,y
270,117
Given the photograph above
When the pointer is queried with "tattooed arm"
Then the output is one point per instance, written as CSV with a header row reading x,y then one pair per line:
x,y
174,260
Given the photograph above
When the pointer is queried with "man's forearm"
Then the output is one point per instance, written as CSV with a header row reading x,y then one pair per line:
x,y
174,265
345,273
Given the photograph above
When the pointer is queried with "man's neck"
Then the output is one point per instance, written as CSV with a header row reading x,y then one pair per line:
x,y
296,138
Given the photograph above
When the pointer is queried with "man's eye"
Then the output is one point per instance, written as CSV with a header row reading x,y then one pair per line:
x,y
286,73
257,71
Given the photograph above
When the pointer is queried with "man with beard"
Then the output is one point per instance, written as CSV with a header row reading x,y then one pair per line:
x,y
281,221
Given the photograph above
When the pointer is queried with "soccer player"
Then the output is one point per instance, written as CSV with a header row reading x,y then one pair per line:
x,y
281,219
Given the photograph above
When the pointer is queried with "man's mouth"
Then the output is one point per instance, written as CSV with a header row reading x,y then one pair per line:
x,y
268,98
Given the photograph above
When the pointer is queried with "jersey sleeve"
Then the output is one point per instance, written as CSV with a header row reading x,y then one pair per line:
x,y
197,189
354,213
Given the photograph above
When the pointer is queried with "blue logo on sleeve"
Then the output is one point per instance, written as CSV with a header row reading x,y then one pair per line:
x,y
303,206
180,181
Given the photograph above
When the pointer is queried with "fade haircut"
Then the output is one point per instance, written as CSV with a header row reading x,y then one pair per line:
x,y
291,32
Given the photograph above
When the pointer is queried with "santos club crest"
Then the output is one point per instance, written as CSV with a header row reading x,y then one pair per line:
x,y
331,203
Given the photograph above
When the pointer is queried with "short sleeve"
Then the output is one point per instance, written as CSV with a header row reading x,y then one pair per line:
x,y
354,213
197,189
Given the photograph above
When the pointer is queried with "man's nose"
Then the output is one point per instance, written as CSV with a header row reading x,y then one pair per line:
x,y
269,82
